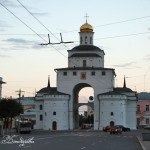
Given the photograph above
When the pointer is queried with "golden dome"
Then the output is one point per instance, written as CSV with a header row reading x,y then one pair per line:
x,y
86,28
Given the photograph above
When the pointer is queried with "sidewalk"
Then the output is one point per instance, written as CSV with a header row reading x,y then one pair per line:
x,y
144,144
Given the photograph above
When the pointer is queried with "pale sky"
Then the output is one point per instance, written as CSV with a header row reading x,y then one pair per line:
x,y
121,29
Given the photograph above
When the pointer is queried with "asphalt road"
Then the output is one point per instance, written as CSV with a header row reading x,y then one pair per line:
x,y
71,141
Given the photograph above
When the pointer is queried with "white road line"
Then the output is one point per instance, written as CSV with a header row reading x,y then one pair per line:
x,y
26,146
83,147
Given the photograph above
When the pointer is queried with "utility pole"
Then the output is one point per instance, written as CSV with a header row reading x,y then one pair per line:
x,y
19,94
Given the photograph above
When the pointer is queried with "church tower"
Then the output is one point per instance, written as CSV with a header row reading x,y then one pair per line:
x,y
86,54
86,34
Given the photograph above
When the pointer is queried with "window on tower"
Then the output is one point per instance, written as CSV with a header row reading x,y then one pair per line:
x,y
86,40
54,113
80,40
90,40
84,63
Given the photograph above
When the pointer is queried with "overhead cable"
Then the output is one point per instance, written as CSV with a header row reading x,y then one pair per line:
x,y
30,28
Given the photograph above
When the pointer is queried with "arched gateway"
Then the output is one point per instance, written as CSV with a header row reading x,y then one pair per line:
x,y
85,69
76,103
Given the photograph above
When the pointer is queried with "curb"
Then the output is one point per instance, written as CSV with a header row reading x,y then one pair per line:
x,y
141,143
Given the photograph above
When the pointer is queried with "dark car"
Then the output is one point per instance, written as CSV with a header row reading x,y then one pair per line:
x,y
124,129
147,127
115,130
107,128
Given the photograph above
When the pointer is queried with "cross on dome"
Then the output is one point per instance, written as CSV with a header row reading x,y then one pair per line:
x,y
86,27
86,16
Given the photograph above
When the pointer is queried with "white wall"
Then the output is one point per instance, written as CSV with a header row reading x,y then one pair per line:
x,y
53,103
115,104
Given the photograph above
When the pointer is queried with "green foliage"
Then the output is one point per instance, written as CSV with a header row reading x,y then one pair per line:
x,y
10,108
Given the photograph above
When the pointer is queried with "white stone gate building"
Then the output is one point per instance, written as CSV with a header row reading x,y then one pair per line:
x,y
57,107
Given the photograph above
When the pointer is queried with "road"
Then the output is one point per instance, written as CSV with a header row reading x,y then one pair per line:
x,y
71,141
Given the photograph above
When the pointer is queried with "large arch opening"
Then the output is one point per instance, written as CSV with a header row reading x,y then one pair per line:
x,y
83,104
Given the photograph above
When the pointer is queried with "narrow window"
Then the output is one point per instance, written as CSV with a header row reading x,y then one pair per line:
x,y
138,108
147,107
84,63
111,113
41,107
86,40
90,40
41,117
80,40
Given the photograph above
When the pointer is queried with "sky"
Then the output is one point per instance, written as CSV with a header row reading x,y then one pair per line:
x,y
121,29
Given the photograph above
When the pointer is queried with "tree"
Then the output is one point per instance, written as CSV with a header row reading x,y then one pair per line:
x,y
8,110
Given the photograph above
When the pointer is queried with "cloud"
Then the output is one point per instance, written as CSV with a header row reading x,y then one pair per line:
x,y
22,44
125,64
4,56
40,14
8,3
18,41
4,25
147,57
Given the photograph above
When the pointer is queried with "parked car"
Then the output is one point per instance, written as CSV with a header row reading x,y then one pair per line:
x,y
147,127
107,128
115,130
124,129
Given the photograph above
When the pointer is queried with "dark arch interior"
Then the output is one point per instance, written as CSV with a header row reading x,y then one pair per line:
x,y
76,91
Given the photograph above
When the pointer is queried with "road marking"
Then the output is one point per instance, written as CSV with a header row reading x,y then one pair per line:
x,y
83,147
26,146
